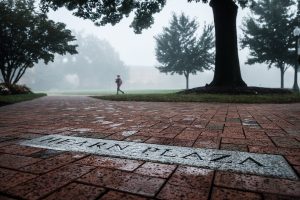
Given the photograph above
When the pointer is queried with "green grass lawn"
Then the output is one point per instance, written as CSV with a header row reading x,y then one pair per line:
x,y
10,99
106,92
222,98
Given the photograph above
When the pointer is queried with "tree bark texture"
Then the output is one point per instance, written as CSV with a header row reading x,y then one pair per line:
x,y
295,86
187,80
281,76
227,66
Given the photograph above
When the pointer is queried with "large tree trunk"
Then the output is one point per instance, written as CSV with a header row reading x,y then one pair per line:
x,y
281,76
227,66
295,86
5,77
187,80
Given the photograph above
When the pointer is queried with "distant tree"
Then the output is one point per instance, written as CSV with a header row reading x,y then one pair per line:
x,y
95,67
180,51
268,34
26,37
296,66
227,67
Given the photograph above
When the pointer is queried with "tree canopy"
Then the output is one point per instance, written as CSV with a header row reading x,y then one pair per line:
x,y
227,68
180,51
113,11
26,37
269,36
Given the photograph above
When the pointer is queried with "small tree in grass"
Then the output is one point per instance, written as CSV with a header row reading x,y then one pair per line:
x,y
268,34
26,37
180,51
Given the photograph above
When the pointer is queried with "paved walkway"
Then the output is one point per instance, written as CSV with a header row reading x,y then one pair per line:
x,y
35,173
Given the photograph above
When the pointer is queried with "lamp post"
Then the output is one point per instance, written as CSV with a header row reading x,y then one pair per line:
x,y
297,34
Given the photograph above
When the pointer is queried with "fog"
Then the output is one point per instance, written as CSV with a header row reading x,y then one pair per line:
x,y
107,51
94,67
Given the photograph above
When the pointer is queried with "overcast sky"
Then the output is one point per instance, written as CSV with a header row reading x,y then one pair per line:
x,y
138,49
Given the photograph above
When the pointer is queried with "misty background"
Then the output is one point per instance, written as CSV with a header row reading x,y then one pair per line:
x,y
104,52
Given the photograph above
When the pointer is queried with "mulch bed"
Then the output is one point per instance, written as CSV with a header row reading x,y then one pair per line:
x,y
236,90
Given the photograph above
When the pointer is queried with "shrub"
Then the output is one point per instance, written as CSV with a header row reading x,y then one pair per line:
x,y
14,89
4,89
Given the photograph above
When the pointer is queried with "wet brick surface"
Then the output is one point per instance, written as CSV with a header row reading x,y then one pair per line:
x,y
34,173
115,163
10,178
77,191
52,163
47,183
114,195
176,192
124,181
156,169
222,193
258,184
16,162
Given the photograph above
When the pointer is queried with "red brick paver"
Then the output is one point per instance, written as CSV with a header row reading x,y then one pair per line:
x,y
52,163
16,162
223,193
35,173
258,184
124,181
45,184
115,163
156,170
10,178
113,195
176,192
77,191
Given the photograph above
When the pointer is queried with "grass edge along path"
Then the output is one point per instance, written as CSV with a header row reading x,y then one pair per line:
x,y
11,99
205,98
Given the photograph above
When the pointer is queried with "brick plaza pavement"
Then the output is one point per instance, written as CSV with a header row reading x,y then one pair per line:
x,y
36,173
